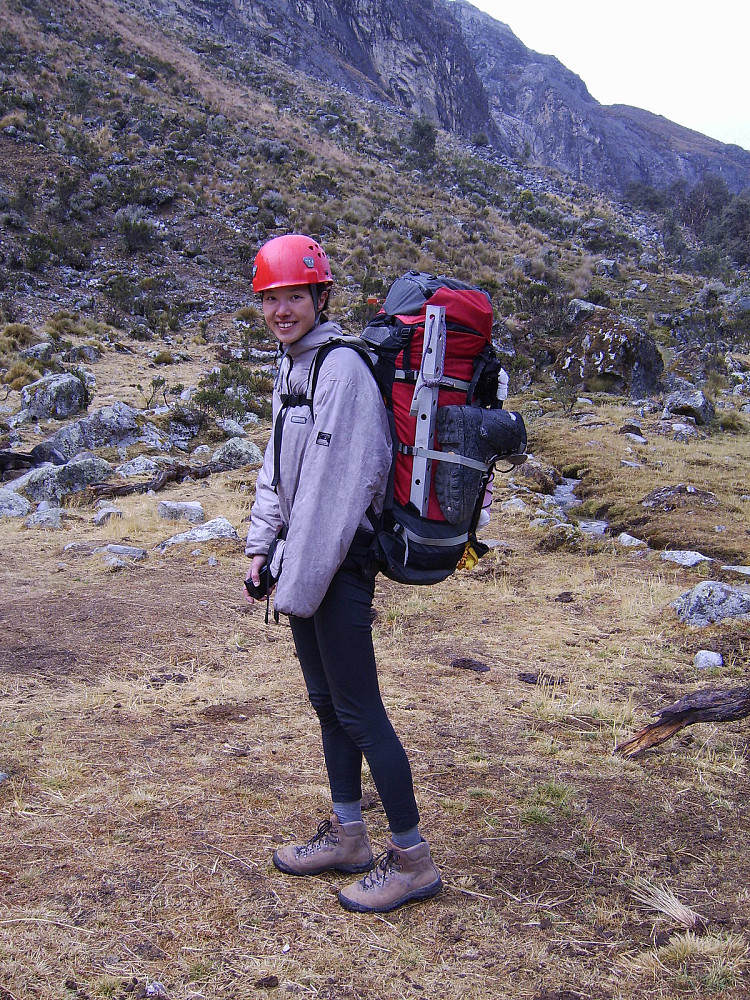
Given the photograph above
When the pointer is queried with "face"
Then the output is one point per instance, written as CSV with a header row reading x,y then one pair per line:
x,y
289,312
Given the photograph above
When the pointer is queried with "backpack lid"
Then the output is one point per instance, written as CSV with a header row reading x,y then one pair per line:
x,y
408,294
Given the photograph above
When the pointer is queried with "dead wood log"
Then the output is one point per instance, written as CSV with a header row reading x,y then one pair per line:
x,y
700,706
173,474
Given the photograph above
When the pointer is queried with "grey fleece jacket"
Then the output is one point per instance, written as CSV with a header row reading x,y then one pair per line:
x,y
334,463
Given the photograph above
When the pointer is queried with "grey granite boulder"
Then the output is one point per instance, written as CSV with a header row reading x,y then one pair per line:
x,y
181,510
112,425
237,452
13,505
55,482
219,528
690,403
711,602
57,396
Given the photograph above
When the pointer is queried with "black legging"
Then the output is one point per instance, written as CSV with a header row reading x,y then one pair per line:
x,y
338,664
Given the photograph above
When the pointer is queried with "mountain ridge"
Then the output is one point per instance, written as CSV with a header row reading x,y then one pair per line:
x,y
468,72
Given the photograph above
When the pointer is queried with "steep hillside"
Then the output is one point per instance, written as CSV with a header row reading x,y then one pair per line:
x,y
469,73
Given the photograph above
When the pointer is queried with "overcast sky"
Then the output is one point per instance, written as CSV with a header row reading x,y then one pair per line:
x,y
685,60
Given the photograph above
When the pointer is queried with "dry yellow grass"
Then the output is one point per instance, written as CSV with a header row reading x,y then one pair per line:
x,y
158,745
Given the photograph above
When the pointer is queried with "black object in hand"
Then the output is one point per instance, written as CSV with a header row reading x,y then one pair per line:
x,y
262,589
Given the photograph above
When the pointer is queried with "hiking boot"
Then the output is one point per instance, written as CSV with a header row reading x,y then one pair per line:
x,y
401,875
341,847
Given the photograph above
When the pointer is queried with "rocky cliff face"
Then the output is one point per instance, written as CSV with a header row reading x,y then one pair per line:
x,y
544,110
469,72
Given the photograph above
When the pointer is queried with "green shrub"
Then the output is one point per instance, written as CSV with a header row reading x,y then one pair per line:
x,y
137,227
233,390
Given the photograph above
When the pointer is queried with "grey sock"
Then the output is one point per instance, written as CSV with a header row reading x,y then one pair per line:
x,y
407,838
348,812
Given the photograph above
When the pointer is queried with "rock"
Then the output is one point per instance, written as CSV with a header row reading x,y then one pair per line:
x,y
105,514
131,552
237,452
631,427
629,541
112,425
51,518
114,564
685,557
57,396
578,308
181,510
514,506
37,352
613,353
668,498
231,427
140,466
693,404
55,482
541,477
705,659
711,602
684,432
13,505
607,268
218,528
637,438
84,352
742,570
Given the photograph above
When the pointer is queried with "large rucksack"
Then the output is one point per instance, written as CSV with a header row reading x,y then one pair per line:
x,y
430,350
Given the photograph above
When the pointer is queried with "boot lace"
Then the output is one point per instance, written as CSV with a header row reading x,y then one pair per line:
x,y
320,839
385,864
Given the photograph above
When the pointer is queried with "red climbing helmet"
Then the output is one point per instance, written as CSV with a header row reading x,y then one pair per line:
x,y
290,260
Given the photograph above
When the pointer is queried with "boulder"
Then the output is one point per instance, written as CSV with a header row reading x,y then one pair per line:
x,y
57,396
111,426
684,557
237,452
181,510
219,528
611,353
578,308
51,518
711,602
13,505
55,482
690,403
139,466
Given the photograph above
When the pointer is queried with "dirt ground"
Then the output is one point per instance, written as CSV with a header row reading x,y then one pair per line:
x,y
157,745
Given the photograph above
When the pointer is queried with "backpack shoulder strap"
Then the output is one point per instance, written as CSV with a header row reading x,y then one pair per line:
x,y
307,398
353,343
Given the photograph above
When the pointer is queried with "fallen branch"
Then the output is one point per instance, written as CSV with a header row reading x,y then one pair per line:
x,y
701,706
174,474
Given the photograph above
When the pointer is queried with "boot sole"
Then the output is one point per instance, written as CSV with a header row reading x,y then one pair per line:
x,y
416,896
342,870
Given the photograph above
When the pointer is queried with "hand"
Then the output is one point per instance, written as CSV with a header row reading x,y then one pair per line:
x,y
253,574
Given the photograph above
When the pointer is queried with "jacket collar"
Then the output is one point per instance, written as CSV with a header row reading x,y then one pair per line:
x,y
313,339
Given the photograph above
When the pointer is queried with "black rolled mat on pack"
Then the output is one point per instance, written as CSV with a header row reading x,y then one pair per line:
x,y
478,434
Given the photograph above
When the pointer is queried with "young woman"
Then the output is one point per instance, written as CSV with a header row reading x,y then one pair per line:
x,y
324,467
